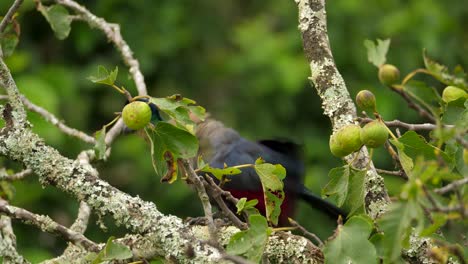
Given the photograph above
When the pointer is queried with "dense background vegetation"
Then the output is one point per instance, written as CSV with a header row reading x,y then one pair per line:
x,y
242,61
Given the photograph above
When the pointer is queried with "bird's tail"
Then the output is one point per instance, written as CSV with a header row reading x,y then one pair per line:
x,y
318,203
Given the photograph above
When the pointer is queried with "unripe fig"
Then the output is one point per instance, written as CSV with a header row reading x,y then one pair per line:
x,y
389,74
452,93
365,100
374,134
346,140
136,115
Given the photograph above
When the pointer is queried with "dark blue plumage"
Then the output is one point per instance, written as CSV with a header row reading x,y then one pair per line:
x,y
220,145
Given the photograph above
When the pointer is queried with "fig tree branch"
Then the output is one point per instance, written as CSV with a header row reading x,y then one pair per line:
x,y
49,117
331,88
452,186
47,225
204,199
216,192
4,176
157,234
398,123
112,32
8,242
421,111
9,15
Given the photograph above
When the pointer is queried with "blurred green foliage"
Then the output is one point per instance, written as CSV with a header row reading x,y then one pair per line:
x,y
243,61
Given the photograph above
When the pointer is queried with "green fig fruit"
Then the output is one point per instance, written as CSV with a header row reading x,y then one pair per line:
x,y
365,100
389,74
136,115
346,140
374,134
452,93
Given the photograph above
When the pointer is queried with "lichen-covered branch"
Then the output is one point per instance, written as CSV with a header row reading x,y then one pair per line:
x,y
46,224
164,235
281,248
8,243
330,86
15,109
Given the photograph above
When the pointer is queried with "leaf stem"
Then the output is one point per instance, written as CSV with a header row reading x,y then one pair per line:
x,y
112,122
413,73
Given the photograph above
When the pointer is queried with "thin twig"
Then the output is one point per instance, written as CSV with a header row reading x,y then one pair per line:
x,y
421,111
435,206
398,123
216,193
306,233
449,187
399,173
204,198
81,221
49,117
7,18
14,177
48,225
8,241
112,32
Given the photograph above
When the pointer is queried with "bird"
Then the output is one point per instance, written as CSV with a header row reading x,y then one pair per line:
x,y
220,145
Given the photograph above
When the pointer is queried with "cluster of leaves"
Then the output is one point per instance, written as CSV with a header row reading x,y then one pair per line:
x,y
420,210
175,139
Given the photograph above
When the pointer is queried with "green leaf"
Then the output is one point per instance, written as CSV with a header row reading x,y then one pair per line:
x,y
396,224
250,243
426,95
219,173
377,240
243,204
157,155
338,185
356,192
179,109
100,146
351,244
105,77
405,161
169,143
115,251
376,54
8,43
347,187
415,145
271,177
178,141
439,219
441,73
58,18
455,114
112,251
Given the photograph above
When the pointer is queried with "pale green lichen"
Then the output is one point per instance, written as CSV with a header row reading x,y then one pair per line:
x,y
286,248
418,251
